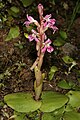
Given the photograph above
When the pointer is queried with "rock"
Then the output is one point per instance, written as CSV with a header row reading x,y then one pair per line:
x,y
69,49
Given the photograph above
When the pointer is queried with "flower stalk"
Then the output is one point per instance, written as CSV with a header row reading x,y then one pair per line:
x,y
43,44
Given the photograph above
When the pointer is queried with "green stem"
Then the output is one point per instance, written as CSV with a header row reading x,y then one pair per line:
x,y
39,79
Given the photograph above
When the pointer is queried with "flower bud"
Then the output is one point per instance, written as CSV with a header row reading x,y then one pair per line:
x,y
40,9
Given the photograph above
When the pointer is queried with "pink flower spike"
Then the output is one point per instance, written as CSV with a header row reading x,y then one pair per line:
x,y
40,9
50,49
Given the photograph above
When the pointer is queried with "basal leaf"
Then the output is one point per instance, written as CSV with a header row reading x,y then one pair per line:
x,y
22,102
52,101
74,98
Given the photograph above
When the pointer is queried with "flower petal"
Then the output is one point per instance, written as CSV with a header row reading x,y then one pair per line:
x,y
34,32
54,29
31,19
31,38
50,49
52,21
45,36
48,42
47,17
36,39
26,23
44,49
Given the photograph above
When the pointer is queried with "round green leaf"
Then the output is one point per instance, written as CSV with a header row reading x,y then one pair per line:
x,y
64,85
71,115
52,101
15,9
26,2
13,33
22,102
58,42
63,34
67,59
74,98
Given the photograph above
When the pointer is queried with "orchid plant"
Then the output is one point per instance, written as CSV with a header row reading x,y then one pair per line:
x,y
52,105
43,44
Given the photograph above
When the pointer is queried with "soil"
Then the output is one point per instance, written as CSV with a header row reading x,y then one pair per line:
x,y
15,63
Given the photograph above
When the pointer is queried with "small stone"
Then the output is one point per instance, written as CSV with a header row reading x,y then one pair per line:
x,y
69,49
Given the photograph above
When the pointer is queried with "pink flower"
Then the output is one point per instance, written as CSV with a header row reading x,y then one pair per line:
x,y
35,33
47,17
46,46
50,49
39,36
49,23
54,29
52,21
33,37
48,20
31,20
